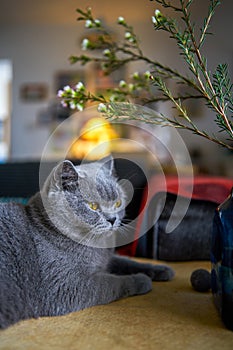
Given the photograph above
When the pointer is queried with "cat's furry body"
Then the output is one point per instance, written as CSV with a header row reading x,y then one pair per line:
x,y
46,271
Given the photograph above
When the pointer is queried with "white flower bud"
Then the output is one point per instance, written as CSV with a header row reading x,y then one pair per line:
x,y
154,20
147,74
64,104
122,84
85,44
106,52
135,75
60,93
88,23
72,105
121,20
157,13
128,35
79,107
67,88
79,86
97,22
102,108
131,87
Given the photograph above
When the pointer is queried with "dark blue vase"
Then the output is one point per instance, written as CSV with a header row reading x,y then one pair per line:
x,y
222,260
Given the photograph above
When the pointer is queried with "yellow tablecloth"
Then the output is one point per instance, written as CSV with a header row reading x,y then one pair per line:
x,y
173,316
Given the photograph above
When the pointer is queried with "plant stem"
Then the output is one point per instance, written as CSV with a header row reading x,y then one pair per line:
x,y
214,97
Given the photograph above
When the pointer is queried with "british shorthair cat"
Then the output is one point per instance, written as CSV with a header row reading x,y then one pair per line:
x,y
57,252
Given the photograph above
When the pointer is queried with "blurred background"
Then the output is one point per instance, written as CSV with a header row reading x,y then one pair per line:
x,y
36,40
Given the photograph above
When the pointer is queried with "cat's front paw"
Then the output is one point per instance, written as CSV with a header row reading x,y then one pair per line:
x,y
143,283
162,273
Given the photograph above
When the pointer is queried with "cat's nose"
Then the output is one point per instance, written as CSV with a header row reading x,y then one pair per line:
x,y
112,220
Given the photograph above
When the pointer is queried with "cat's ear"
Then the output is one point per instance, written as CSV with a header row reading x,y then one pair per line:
x,y
67,175
108,163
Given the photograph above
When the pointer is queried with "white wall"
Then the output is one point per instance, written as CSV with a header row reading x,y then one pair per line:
x,y
37,53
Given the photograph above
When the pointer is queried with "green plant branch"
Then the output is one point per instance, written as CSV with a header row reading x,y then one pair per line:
x,y
214,98
113,112
215,90
207,20
168,4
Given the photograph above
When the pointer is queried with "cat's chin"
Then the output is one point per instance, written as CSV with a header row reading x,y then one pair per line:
x,y
106,229
103,236
110,230
106,232
98,240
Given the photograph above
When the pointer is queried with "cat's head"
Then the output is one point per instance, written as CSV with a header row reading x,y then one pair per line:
x,y
85,202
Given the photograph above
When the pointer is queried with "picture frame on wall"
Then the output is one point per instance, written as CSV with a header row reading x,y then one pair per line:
x,y
33,92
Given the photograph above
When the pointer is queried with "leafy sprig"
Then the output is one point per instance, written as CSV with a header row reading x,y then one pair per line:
x,y
153,85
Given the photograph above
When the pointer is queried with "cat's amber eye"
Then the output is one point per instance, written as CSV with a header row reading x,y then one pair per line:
x,y
93,205
118,203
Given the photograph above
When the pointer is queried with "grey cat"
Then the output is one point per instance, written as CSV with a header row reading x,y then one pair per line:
x,y
56,253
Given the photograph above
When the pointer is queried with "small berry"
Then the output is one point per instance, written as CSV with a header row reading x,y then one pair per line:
x,y
201,280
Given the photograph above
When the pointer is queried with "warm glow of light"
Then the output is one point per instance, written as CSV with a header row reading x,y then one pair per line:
x,y
94,140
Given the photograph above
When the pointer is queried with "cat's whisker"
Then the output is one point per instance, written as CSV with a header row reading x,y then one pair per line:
x,y
87,238
128,224
127,231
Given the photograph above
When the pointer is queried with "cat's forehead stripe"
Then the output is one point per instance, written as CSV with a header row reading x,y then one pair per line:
x,y
107,190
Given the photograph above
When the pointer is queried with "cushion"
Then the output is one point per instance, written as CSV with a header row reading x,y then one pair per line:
x,y
191,239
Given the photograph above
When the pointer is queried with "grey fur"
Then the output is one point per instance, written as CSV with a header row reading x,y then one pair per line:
x,y
48,265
